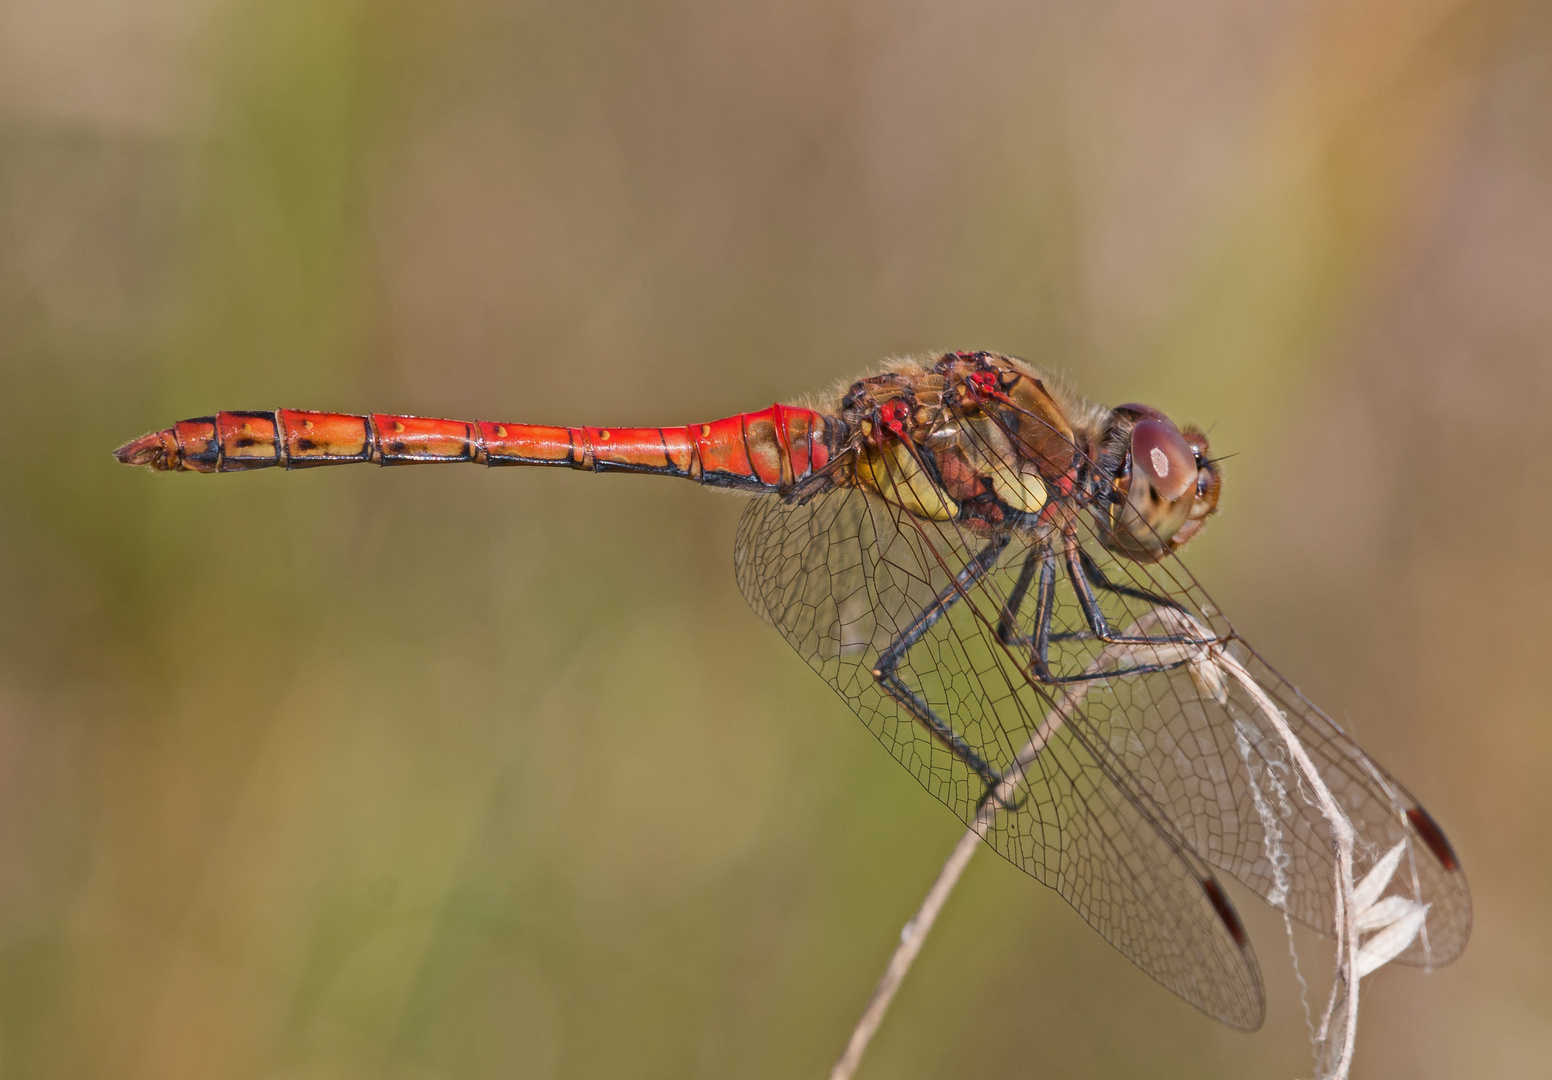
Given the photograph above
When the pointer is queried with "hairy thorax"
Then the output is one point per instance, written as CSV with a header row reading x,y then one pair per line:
x,y
975,438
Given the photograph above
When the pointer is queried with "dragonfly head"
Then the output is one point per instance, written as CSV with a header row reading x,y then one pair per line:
x,y
1163,484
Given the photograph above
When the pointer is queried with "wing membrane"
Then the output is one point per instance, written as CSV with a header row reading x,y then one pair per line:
x,y
1132,760
1220,774
842,576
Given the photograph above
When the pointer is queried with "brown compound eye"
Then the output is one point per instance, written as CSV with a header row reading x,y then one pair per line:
x,y
1162,455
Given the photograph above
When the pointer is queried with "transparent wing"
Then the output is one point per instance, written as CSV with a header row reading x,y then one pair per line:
x,y
843,576
1208,760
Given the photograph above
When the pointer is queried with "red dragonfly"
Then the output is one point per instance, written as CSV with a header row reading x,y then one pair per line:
x,y
984,566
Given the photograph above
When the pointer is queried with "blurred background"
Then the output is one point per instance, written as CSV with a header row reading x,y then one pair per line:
x,y
469,773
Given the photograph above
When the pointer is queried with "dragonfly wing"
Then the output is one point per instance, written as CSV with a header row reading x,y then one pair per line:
x,y
1209,760
842,576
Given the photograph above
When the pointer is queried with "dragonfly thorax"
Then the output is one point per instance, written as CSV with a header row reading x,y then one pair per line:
x,y
974,438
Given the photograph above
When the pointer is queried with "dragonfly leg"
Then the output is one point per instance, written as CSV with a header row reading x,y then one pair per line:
x,y
887,669
1007,624
1039,642
1097,578
1083,586
1085,576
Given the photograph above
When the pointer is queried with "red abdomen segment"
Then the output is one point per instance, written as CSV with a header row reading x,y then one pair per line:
x,y
772,450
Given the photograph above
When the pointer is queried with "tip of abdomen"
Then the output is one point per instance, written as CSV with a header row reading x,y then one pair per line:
x,y
156,449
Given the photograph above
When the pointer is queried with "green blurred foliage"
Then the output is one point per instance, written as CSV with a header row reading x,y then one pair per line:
x,y
454,773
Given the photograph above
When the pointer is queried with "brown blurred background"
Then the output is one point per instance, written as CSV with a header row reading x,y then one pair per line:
x,y
467,773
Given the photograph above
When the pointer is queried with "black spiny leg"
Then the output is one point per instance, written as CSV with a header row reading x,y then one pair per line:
x,y
1007,625
1097,577
889,661
1039,643
1078,566
1085,576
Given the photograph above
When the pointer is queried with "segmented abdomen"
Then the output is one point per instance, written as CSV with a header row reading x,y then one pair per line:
x,y
773,449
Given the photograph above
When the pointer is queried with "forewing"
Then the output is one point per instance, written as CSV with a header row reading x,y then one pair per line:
x,y
1207,758
842,576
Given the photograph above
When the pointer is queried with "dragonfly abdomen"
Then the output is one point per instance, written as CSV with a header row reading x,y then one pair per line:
x,y
771,450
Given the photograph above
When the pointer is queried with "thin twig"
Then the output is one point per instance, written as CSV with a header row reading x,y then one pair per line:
x,y
1342,835
911,939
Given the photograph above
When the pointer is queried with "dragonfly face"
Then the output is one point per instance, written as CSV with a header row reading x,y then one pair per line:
x,y
1162,487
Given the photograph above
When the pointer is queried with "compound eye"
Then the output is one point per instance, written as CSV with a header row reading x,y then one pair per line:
x,y
1161,453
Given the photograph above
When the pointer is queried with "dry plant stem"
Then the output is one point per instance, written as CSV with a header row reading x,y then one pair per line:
x,y
1342,834
911,940
1346,923
915,933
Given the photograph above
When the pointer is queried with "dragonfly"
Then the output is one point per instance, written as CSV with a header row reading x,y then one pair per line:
x,y
986,568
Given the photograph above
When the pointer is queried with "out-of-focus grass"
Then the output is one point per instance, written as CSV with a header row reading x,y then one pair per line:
x,y
462,773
